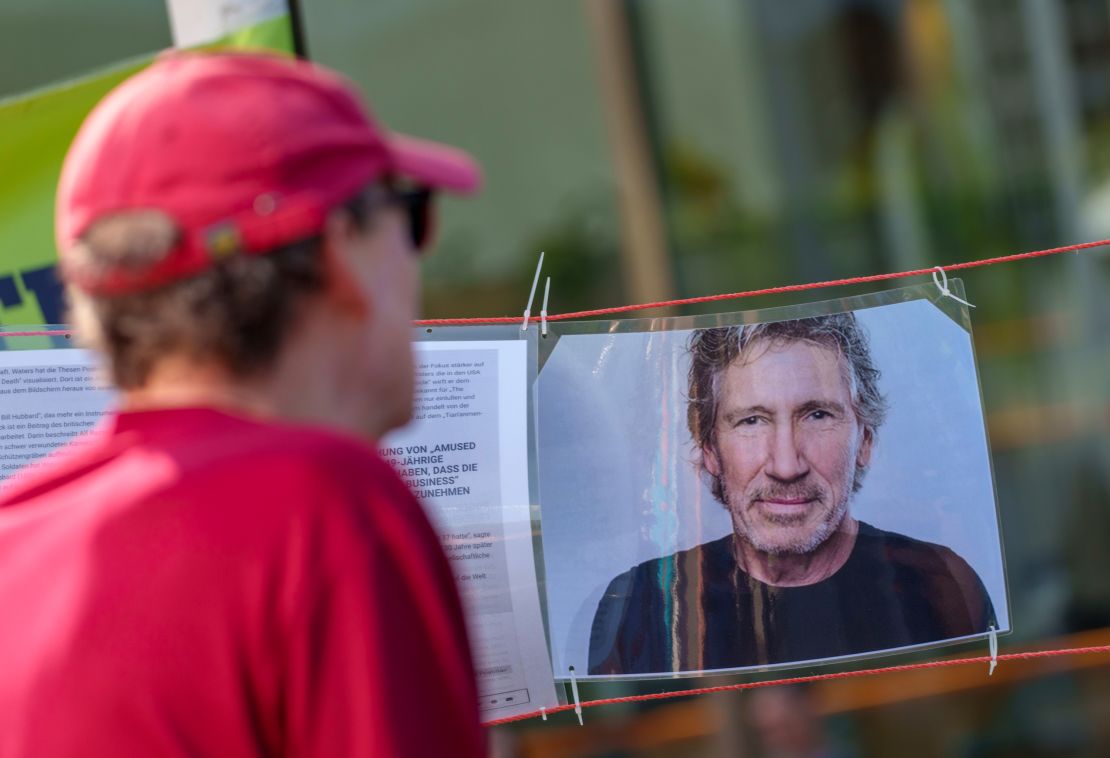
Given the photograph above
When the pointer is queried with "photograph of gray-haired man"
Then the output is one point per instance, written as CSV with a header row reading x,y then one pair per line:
x,y
784,418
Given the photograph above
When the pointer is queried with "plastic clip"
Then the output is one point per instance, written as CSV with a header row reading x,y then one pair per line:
x,y
532,295
543,713
574,693
994,649
543,310
942,285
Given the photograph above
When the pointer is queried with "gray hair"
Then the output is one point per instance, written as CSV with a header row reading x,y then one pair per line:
x,y
713,350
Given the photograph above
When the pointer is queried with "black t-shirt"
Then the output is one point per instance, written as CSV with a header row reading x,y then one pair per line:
x,y
697,610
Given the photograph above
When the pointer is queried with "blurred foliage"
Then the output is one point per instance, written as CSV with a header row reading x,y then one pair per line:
x,y
581,255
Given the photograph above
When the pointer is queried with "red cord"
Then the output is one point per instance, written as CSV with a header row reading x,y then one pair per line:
x,y
706,298
806,679
40,333
766,291
733,296
774,291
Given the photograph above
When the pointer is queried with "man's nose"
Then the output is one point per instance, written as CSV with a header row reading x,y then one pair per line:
x,y
786,461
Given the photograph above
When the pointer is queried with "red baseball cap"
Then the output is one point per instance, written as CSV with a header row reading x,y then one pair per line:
x,y
245,153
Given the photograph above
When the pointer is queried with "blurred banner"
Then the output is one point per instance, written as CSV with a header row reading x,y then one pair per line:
x,y
36,129
266,24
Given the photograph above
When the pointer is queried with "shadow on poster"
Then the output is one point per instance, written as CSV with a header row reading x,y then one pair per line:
x,y
765,489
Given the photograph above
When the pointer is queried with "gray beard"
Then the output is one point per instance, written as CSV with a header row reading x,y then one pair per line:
x,y
820,534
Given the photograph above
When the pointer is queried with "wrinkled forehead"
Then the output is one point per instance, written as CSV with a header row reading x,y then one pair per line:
x,y
788,368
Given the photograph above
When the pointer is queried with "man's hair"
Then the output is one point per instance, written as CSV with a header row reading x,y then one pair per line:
x,y
713,350
237,313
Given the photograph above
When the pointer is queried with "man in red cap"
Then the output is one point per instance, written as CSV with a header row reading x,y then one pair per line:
x,y
226,566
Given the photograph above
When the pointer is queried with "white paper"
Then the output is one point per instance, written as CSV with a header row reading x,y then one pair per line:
x,y
466,456
47,397
471,397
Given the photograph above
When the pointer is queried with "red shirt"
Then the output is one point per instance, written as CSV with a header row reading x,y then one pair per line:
x,y
189,582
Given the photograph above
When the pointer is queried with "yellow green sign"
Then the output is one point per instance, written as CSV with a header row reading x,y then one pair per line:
x,y
35,132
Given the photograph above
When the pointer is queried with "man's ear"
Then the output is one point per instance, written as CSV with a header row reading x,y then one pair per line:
x,y
710,460
863,455
342,272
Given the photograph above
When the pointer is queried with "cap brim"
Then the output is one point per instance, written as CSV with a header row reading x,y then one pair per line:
x,y
434,164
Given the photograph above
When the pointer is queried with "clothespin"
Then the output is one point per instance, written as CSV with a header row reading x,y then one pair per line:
x,y
543,310
532,295
574,692
994,649
942,285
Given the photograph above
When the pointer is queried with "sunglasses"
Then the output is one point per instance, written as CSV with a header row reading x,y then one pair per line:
x,y
417,206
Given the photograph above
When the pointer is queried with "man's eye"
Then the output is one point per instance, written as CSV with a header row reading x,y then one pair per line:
x,y
820,415
748,421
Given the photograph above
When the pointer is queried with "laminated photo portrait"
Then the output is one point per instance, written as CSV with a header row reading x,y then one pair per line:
x,y
766,489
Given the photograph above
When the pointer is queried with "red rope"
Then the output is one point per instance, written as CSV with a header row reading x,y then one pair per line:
x,y
40,333
807,679
767,290
707,298
734,296
775,291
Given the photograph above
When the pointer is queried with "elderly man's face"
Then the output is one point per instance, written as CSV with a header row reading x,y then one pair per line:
x,y
788,443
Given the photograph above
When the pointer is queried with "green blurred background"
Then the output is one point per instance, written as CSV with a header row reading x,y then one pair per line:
x,y
666,148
